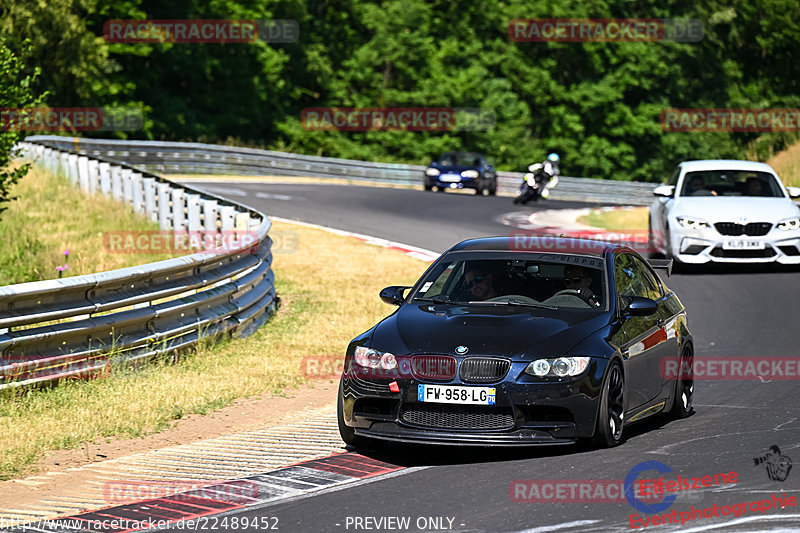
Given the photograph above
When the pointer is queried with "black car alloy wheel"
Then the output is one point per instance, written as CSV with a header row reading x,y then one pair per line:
x,y
610,419
684,385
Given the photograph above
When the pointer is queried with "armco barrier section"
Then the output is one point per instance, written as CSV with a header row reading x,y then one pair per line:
x,y
84,325
198,158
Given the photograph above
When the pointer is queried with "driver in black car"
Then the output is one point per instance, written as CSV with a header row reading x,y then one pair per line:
x,y
480,282
579,279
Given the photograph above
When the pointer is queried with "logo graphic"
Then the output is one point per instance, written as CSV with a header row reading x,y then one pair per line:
x,y
637,503
776,464
461,350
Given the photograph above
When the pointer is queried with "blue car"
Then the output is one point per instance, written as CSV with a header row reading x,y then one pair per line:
x,y
461,170
507,342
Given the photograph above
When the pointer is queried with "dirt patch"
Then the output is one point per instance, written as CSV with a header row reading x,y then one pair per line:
x,y
267,410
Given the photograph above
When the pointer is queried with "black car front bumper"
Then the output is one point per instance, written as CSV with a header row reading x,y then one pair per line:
x,y
527,412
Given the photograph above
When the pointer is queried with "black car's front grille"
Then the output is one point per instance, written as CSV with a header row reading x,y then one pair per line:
x,y
742,254
475,417
483,369
434,366
753,229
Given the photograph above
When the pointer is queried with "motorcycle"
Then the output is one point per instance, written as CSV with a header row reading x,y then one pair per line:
x,y
536,183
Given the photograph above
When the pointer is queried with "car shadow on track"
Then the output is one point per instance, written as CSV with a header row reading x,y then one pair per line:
x,y
412,455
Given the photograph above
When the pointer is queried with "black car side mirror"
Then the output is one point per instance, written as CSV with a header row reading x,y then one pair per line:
x,y
393,295
640,306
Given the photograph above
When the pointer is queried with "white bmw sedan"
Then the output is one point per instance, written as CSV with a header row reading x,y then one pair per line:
x,y
725,211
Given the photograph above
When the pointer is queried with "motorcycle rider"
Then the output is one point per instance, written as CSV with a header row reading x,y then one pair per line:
x,y
550,167
539,180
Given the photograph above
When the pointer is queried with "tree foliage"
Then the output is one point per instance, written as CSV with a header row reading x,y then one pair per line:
x,y
596,103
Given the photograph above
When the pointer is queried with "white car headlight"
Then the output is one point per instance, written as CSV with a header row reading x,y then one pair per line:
x,y
561,366
432,172
692,223
789,224
369,358
469,174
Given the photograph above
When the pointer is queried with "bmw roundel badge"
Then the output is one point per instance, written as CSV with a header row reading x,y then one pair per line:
x,y
461,350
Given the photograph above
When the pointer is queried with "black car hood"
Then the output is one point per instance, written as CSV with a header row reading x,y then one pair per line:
x,y
514,332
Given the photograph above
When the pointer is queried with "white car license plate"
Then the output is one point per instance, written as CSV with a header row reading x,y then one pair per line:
x,y
450,177
457,394
743,244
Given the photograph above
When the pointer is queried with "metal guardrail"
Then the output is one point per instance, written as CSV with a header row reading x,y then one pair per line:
x,y
78,326
198,158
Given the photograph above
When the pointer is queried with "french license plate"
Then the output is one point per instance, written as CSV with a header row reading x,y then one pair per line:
x,y
743,244
456,394
450,177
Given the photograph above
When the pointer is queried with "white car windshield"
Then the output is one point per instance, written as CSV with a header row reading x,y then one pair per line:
x,y
731,183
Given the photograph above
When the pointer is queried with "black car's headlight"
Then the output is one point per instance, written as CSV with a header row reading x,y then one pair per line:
x,y
559,367
369,358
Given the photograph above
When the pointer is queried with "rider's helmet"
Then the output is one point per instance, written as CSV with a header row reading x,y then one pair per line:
x,y
553,157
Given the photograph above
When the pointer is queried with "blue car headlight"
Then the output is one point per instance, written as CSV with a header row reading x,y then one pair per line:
x,y
432,172
470,174
559,367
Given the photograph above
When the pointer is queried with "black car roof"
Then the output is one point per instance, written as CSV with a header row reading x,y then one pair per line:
x,y
538,243
470,154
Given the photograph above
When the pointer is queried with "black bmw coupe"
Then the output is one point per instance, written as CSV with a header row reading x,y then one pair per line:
x,y
520,341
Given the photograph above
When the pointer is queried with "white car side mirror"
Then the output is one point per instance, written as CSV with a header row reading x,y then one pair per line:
x,y
794,192
666,191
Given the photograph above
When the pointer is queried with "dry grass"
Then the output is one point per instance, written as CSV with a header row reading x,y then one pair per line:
x,y
329,289
617,219
787,165
51,215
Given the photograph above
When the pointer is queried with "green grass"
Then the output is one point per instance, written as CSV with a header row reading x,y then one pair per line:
x,y
51,215
617,219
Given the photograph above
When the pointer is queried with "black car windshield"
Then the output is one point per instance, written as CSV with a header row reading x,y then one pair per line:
x,y
730,183
460,159
576,283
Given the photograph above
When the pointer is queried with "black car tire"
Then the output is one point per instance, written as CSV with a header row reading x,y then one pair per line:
x,y
428,187
684,388
612,408
348,434
479,189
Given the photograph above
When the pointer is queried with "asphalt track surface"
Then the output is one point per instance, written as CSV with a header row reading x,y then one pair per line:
x,y
732,312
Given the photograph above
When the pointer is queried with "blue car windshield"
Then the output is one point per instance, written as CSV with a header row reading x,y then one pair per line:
x,y
460,160
517,281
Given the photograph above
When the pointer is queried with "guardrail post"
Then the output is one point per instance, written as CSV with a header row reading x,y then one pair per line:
x,y
193,212
149,186
83,172
163,206
72,168
127,186
138,193
63,164
92,175
105,178
227,214
210,215
178,210
116,182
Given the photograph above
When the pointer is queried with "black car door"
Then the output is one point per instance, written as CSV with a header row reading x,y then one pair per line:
x,y
643,337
